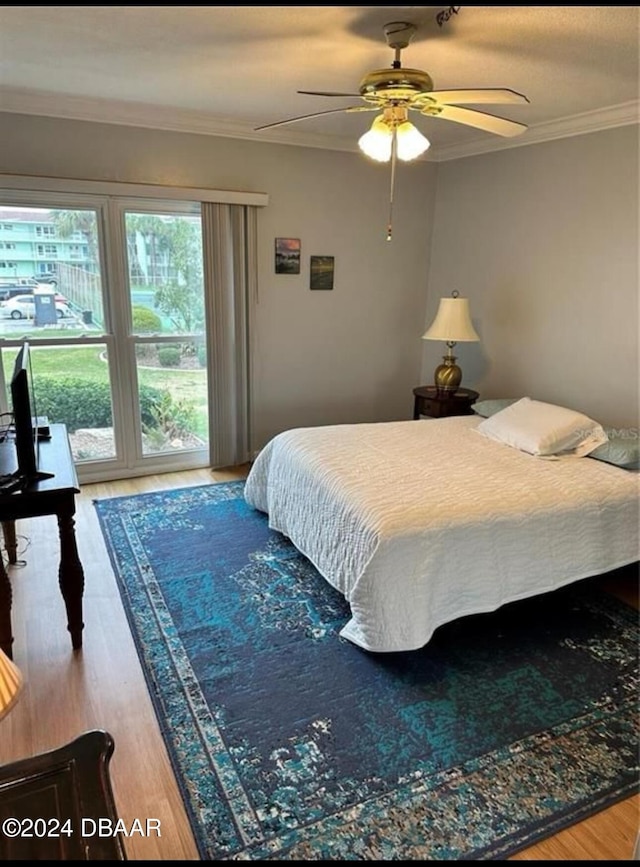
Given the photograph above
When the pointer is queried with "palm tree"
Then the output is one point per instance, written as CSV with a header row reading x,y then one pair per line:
x,y
69,222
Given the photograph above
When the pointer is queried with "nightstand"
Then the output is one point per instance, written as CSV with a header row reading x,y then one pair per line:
x,y
438,404
53,806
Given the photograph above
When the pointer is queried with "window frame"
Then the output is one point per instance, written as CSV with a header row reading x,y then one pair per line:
x,y
108,200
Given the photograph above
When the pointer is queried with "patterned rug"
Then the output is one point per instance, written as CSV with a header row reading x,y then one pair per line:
x,y
289,742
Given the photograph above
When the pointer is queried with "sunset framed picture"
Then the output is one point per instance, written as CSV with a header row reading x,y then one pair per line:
x,y
288,255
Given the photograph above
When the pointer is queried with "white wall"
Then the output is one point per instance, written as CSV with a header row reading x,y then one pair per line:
x,y
543,240
322,357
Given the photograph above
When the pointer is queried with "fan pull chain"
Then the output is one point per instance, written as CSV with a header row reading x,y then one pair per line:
x,y
393,181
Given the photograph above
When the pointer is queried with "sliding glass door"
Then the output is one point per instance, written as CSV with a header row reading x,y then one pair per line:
x,y
166,323
109,293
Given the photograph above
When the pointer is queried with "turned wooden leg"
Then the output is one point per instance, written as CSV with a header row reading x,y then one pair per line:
x,y
71,577
10,543
6,634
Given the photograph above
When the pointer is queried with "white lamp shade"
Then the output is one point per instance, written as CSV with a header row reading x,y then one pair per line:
x,y
452,323
411,142
10,684
376,143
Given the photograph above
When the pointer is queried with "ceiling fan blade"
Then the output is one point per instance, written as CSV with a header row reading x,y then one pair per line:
x,y
487,95
479,119
326,93
316,114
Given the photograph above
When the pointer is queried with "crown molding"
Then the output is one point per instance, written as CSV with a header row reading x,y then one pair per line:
x,y
624,114
47,104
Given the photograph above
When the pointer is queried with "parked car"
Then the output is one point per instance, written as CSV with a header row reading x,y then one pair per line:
x,y
18,281
8,289
10,286
49,277
12,290
23,307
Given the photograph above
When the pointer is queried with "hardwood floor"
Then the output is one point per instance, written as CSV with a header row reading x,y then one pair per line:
x,y
102,686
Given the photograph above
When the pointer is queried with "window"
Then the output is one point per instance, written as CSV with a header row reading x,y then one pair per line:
x,y
129,366
131,387
166,298
47,250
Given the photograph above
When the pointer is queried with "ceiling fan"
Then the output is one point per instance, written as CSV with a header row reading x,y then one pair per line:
x,y
397,90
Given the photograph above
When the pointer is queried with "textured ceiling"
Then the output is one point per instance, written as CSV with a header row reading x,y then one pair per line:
x,y
227,69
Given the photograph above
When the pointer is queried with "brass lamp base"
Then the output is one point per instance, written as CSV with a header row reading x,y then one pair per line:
x,y
448,376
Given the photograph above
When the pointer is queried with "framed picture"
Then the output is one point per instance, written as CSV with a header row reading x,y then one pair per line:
x,y
321,272
287,255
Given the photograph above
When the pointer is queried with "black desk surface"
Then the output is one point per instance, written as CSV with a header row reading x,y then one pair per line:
x,y
54,456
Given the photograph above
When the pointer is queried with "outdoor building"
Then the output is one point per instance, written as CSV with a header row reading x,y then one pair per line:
x,y
32,244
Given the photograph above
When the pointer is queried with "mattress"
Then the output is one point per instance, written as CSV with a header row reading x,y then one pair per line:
x,y
418,523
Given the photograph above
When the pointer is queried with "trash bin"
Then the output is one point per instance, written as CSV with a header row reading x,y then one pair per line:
x,y
87,317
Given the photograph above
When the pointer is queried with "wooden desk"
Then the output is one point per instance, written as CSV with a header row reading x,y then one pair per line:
x,y
54,496
54,804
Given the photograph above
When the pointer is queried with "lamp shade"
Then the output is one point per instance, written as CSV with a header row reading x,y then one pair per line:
x,y
411,142
377,142
10,684
452,323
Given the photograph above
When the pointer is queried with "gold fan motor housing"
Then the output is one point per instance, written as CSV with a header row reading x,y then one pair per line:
x,y
404,84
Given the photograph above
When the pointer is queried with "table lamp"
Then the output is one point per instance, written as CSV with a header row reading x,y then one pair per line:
x,y
452,325
11,684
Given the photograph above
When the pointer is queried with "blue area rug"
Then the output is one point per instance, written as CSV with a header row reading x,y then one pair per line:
x,y
290,743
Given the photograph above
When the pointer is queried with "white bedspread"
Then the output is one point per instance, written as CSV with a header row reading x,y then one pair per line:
x,y
418,523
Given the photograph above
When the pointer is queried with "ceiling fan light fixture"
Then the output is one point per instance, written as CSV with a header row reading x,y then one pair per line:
x,y
398,90
377,142
410,142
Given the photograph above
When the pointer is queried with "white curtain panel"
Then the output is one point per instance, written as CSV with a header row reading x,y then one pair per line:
x,y
230,278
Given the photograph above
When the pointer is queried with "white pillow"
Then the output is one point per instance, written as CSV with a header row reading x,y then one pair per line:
x,y
544,429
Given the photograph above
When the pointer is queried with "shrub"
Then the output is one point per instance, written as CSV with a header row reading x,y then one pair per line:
x,y
202,355
172,418
150,397
83,403
169,356
75,402
145,321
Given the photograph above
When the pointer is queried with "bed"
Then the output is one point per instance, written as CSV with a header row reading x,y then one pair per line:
x,y
418,523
